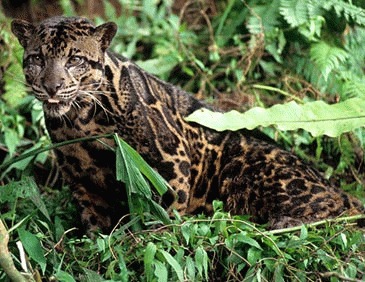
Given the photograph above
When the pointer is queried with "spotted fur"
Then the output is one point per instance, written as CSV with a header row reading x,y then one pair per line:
x,y
87,90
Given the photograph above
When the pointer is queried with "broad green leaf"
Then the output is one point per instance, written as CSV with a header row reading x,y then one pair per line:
x,y
254,255
174,264
186,232
344,239
303,232
243,237
12,139
158,66
131,169
63,276
33,247
14,81
160,271
124,274
16,189
201,261
92,276
190,268
157,180
36,198
351,270
149,256
24,188
317,117
279,273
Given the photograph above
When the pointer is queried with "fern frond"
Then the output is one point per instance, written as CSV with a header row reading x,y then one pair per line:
x,y
265,18
294,12
327,57
348,10
352,86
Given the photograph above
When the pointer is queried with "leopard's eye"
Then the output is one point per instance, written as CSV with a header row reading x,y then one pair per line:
x,y
36,60
74,61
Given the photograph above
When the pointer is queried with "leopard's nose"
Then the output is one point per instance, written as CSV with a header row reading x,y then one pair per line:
x,y
52,87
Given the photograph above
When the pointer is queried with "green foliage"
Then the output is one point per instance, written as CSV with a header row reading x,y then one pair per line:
x,y
261,52
153,30
196,249
130,168
318,118
327,57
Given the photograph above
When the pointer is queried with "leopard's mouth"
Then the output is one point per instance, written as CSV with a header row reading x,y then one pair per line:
x,y
55,107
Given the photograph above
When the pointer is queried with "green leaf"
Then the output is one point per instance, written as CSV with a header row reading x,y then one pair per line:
x,y
303,232
243,237
157,180
92,276
254,255
294,11
318,118
11,139
279,273
13,81
33,247
348,10
63,276
149,256
186,232
201,262
159,66
160,271
190,268
174,264
327,57
15,190
131,169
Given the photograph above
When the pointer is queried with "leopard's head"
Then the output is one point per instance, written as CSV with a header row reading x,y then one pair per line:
x,y
63,59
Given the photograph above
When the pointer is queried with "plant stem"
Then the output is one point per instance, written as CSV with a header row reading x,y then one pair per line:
x,y
51,147
6,261
314,224
269,88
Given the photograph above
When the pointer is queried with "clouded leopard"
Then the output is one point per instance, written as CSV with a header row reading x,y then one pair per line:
x,y
88,90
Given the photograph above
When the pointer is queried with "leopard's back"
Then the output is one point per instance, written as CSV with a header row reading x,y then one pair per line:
x,y
91,91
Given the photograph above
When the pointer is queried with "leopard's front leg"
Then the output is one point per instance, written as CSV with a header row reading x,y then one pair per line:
x,y
177,173
100,210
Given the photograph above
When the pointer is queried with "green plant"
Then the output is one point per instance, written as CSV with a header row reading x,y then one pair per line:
x,y
259,52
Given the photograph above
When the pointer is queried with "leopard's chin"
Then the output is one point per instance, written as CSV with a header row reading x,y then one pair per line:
x,y
56,108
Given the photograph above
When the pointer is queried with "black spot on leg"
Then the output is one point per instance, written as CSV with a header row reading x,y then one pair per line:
x,y
316,189
296,187
92,220
181,197
184,167
167,199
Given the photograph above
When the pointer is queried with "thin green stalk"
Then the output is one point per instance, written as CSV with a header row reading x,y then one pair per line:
x,y
51,147
270,88
314,224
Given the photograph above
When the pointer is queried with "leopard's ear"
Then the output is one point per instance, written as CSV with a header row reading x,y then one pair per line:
x,y
105,33
23,30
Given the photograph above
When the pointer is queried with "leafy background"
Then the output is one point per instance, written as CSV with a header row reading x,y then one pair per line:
x,y
236,55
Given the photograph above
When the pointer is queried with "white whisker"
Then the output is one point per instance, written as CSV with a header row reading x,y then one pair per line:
x,y
96,102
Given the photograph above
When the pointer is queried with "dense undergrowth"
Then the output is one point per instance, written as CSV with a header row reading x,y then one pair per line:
x,y
249,53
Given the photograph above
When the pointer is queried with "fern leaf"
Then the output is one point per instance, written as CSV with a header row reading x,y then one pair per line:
x,y
294,12
318,118
327,57
348,10
352,84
